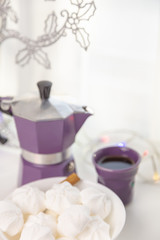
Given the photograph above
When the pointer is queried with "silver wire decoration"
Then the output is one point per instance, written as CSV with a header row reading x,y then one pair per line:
x,y
34,49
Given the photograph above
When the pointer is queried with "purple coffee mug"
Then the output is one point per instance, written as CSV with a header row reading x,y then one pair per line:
x,y
121,181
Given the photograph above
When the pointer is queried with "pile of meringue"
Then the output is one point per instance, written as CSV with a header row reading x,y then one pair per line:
x,y
61,213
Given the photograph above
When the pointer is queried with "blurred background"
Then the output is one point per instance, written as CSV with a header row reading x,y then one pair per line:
x,y
118,76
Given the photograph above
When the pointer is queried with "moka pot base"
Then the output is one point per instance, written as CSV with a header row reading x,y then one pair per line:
x,y
43,166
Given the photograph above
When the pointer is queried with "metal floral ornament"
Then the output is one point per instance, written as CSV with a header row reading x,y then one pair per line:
x,y
34,49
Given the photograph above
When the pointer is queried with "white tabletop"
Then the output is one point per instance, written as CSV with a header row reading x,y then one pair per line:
x,y
143,213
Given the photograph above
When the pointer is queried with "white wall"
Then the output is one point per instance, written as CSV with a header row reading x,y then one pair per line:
x,y
119,74
121,70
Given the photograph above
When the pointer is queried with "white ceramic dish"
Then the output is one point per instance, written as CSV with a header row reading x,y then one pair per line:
x,y
117,216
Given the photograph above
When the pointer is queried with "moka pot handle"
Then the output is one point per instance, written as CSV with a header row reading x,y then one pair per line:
x,y
5,105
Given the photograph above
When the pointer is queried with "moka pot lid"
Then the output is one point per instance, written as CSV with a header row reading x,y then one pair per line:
x,y
43,108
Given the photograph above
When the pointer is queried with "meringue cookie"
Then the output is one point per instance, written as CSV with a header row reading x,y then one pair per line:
x,y
34,231
29,199
96,229
43,219
62,196
11,218
73,220
97,201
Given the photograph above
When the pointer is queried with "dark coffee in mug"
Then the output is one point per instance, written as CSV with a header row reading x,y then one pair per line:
x,y
115,162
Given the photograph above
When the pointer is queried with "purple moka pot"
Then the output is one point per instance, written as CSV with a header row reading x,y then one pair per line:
x,y
120,181
46,130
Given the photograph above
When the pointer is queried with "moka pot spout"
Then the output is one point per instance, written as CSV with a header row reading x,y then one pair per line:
x,y
81,116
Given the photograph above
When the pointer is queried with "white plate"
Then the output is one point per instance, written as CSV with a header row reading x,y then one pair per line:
x,y
117,216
